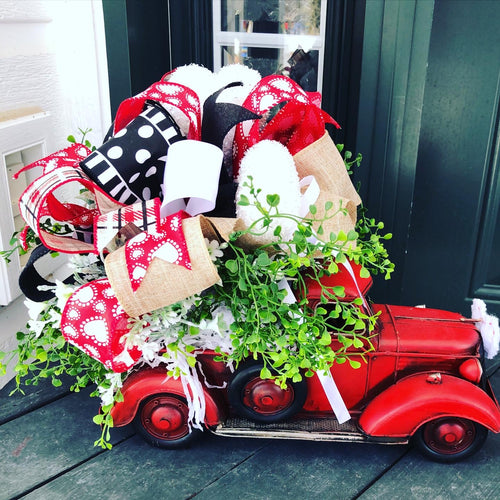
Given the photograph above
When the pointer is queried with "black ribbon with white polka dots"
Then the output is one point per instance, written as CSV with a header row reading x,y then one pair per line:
x,y
129,166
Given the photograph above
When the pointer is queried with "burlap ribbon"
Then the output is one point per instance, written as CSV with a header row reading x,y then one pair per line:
x,y
323,160
166,283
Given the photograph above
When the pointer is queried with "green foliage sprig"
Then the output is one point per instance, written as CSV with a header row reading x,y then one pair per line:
x,y
71,138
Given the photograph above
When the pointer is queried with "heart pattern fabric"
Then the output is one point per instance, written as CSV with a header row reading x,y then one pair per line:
x,y
95,322
168,244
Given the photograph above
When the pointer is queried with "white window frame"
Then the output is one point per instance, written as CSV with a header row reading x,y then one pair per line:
x,y
282,41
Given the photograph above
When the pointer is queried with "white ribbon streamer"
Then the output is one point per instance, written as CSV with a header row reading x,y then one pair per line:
x,y
311,194
334,396
350,270
192,171
329,386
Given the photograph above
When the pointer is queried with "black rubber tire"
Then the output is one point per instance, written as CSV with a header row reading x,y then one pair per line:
x,y
249,375
151,422
450,439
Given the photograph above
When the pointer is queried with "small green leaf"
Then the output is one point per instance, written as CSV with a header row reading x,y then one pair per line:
x,y
352,235
364,273
71,138
325,339
333,268
98,419
358,343
243,201
313,209
263,260
273,200
328,206
41,354
265,373
232,266
354,364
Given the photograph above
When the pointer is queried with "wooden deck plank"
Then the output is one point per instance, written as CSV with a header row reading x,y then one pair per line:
x,y
34,397
133,469
48,441
415,477
304,469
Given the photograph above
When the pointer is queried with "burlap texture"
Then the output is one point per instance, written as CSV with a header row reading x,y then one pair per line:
x,y
165,283
221,227
323,160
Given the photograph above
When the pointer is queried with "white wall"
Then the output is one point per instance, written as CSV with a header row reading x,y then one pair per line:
x,y
52,59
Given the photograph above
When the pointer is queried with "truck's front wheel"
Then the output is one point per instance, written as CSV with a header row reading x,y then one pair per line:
x,y
450,439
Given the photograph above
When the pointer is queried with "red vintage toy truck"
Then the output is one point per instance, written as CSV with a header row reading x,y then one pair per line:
x,y
423,382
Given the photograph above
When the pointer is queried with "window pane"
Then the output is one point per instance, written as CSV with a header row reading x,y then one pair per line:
x,y
300,66
297,17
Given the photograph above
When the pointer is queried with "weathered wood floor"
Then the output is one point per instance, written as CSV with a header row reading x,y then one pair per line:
x,y
46,441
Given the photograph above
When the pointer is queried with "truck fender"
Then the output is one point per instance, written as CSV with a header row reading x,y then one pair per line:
x,y
402,408
148,382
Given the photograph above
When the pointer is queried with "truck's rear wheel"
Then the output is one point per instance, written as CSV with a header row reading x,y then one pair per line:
x,y
162,420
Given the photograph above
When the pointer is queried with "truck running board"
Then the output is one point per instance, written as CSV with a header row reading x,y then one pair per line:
x,y
303,429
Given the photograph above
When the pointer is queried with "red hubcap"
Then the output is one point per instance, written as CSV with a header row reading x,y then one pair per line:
x,y
266,397
165,417
449,435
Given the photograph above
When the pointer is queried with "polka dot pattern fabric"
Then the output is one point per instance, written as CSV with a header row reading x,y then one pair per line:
x,y
130,165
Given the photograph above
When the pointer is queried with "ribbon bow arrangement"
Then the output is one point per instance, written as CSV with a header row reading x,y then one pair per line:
x,y
183,147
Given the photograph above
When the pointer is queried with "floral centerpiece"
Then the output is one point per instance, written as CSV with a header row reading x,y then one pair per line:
x,y
195,226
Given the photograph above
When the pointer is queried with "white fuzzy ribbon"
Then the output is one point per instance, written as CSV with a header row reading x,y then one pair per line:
x,y
488,327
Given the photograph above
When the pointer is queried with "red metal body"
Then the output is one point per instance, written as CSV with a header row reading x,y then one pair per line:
x,y
425,368
150,381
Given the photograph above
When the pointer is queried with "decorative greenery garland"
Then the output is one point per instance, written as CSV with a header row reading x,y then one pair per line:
x,y
246,314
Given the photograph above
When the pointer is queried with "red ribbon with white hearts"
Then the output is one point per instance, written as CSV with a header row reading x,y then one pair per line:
x,y
168,244
172,94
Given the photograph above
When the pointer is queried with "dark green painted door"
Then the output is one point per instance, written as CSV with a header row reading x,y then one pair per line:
x,y
453,249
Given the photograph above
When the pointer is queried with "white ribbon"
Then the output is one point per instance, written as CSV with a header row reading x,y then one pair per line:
x,y
350,270
329,386
311,194
334,396
192,171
